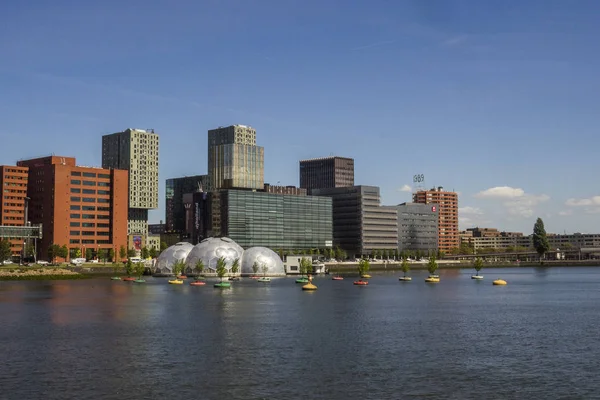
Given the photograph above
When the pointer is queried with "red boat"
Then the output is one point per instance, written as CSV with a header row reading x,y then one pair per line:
x,y
254,277
129,279
198,283
182,277
360,282
337,278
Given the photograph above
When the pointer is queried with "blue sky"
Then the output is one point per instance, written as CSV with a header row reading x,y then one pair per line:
x,y
497,100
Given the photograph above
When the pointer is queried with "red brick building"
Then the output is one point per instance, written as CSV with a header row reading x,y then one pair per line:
x,y
448,238
13,181
80,207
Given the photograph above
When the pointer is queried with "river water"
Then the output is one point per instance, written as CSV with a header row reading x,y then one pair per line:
x,y
536,338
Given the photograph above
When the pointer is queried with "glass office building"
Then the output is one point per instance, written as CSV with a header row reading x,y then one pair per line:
x,y
276,221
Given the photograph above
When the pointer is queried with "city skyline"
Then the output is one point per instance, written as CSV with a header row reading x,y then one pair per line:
x,y
496,102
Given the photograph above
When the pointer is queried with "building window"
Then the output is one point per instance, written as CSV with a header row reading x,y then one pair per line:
x,y
75,182
87,241
75,208
75,215
75,173
89,216
88,224
89,200
89,191
74,233
89,183
74,241
74,224
89,175
103,201
73,198
75,190
106,176
107,192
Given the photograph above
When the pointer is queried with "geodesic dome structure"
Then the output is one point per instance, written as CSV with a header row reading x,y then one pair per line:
x,y
210,250
263,256
166,259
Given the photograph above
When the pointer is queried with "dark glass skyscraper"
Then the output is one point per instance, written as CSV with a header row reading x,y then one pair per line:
x,y
174,207
326,172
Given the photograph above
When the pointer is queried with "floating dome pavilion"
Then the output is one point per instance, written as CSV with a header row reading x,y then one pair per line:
x,y
210,250
166,259
263,256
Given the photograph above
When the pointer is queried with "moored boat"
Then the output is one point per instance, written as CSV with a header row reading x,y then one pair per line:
x,y
405,279
176,282
337,278
197,283
360,282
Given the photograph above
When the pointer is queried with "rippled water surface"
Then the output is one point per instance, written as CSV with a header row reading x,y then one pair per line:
x,y
535,338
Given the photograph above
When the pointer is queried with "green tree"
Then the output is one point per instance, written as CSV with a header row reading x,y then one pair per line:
x,y
163,246
139,269
111,255
29,250
305,266
540,240
5,250
102,255
221,268
199,267
122,252
131,253
255,267
129,268
64,251
235,267
478,264
53,252
177,267
338,253
74,253
264,268
432,265
405,266
152,252
145,252
363,266
88,254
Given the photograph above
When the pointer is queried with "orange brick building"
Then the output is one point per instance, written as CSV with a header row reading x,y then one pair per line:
x,y
13,181
80,207
448,215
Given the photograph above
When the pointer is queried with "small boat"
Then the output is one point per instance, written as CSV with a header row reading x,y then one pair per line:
x,y
499,282
365,276
140,281
264,279
254,277
128,279
432,279
477,277
337,278
176,282
434,276
309,286
234,278
197,283
222,285
302,280
360,282
115,278
181,277
405,279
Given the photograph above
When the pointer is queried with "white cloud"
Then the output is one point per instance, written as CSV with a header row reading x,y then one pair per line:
x,y
501,192
565,213
524,206
593,210
595,200
468,210
405,188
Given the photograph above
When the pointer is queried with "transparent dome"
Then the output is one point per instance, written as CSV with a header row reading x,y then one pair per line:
x,y
166,259
210,250
263,257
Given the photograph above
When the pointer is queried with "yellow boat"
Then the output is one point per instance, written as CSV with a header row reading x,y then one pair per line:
x,y
365,276
499,282
432,279
176,282
309,286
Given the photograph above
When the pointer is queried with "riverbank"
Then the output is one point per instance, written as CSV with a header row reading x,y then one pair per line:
x,y
394,266
37,274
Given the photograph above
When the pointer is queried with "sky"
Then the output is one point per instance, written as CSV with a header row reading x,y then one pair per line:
x,y
497,100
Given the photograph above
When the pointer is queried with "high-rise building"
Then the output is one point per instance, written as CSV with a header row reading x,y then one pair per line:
x,y
326,172
13,181
175,189
79,207
448,237
360,224
234,159
272,220
418,227
135,150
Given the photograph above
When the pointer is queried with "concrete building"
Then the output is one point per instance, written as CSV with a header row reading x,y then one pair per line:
x,y
135,150
272,220
13,181
175,189
448,237
326,172
80,207
234,159
418,227
360,224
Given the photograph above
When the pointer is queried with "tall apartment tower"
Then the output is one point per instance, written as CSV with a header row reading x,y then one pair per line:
x,y
448,236
135,150
79,207
326,172
234,159
13,181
